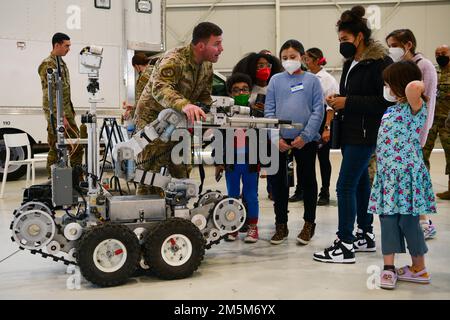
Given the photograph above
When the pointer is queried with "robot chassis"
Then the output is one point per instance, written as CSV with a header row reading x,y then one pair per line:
x,y
112,237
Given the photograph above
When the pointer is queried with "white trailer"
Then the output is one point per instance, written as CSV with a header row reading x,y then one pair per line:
x,y
121,27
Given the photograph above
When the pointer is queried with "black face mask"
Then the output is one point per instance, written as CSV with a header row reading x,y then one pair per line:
x,y
347,49
442,61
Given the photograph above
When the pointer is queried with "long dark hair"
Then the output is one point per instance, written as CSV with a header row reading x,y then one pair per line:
x,y
294,44
353,21
247,65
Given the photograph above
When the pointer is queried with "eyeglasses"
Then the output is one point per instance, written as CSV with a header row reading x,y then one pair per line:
x,y
239,90
263,65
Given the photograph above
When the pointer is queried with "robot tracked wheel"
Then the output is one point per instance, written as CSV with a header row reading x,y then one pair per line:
x,y
208,197
33,229
229,215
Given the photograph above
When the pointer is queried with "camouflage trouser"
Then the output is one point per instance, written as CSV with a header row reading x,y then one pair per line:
x,y
76,155
372,167
444,134
157,155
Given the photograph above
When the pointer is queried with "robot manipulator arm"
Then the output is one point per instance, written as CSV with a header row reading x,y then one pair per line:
x,y
162,128
222,114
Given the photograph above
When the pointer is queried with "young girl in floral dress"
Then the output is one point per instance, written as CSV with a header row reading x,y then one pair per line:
x,y
402,189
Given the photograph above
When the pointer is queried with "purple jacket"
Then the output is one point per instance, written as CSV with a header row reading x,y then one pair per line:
x,y
429,75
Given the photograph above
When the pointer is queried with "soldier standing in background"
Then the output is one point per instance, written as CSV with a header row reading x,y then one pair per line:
x,y
441,114
141,64
181,77
61,46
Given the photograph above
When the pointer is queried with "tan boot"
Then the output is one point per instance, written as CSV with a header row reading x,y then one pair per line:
x,y
307,233
281,233
444,195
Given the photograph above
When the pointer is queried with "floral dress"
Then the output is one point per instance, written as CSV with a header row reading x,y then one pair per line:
x,y
402,183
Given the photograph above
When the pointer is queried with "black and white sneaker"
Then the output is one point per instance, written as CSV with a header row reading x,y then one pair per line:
x,y
339,252
364,242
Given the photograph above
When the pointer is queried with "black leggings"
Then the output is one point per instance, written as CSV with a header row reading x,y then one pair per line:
x,y
280,188
323,154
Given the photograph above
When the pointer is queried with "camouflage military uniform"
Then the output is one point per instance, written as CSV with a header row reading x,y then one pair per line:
x,y
141,82
176,81
72,131
440,115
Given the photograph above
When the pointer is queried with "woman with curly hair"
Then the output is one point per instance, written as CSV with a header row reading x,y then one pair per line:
x,y
360,107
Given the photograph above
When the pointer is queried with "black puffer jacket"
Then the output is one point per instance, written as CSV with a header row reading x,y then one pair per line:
x,y
365,105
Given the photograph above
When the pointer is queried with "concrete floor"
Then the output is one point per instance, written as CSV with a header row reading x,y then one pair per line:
x,y
238,270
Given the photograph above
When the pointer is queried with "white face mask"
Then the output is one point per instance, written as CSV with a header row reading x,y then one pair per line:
x,y
387,95
396,54
291,65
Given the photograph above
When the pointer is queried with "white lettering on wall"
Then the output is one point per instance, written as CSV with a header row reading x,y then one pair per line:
x,y
74,19
374,17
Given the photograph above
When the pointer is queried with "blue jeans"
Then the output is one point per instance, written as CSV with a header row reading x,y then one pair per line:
x,y
353,191
249,187
397,228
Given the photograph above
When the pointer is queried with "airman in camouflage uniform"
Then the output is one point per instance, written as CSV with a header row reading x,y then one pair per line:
x,y
141,63
142,81
59,49
181,78
441,113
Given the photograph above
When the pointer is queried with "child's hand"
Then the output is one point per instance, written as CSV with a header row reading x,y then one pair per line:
x,y
298,143
413,92
283,146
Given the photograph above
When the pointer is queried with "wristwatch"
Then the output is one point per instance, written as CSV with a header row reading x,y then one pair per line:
x,y
326,127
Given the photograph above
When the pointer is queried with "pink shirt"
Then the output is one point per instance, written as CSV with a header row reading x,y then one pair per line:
x,y
429,75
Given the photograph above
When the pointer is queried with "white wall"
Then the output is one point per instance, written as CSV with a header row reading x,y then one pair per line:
x,y
247,27
252,27
33,22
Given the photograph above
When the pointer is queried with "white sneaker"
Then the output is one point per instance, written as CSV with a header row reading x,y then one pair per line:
x,y
429,229
364,242
339,252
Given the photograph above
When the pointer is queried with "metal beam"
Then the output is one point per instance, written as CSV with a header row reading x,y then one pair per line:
x,y
298,4
277,26
348,3
228,4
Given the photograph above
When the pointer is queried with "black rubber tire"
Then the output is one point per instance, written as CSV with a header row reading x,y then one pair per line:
x,y
141,272
20,170
154,241
90,240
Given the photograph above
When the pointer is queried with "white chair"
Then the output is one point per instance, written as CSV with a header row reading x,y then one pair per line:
x,y
20,140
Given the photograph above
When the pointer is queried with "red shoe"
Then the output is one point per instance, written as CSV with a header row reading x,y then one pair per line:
x,y
252,234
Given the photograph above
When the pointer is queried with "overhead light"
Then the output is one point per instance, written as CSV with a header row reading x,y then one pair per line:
x,y
21,45
144,6
102,4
